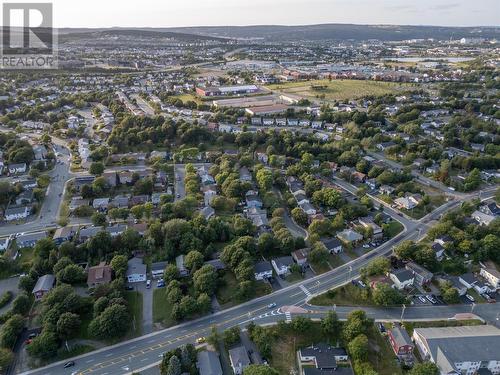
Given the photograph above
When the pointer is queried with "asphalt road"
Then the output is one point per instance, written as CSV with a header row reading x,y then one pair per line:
x,y
47,216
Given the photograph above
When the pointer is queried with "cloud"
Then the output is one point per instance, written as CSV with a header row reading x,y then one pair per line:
x,y
445,6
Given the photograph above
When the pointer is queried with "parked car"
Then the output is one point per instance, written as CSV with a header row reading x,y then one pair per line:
x,y
381,327
200,340
470,298
69,364
148,284
160,283
431,299
361,284
422,299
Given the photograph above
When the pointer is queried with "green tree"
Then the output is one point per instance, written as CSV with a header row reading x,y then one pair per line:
x,y
113,322
384,295
171,273
174,366
330,324
98,219
231,336
67,325
10,330
205,279
6,358
96,168
21,304
44,346
358,348
378,266
119,265
424,368
193,260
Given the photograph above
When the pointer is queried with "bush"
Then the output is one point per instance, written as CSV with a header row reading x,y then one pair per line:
x,y
5,299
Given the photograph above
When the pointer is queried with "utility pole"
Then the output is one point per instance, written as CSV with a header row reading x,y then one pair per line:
x,y
402,313
472,307
350,270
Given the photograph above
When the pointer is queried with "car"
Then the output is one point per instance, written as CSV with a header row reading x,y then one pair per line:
x,y
129,287
361,284
28,341
271,305
69,364
178,195
200,340
148,284
381,328
470,298
160,283
366,246
422,299
32,335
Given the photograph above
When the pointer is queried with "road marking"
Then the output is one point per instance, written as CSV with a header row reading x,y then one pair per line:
x,y
89,361
288,316
109,355
151,341
304,289
133,347
144,359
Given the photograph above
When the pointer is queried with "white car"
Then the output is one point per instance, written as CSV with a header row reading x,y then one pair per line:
x,y
148,284
470,298
422,299
271,305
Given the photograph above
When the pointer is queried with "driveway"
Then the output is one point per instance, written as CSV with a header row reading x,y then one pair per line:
x,y
147,305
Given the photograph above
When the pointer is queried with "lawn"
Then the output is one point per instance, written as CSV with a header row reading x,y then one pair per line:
x,y
347,295
339,89
297,276
410,326
227,293
189,97
284,350
162,309
134,300
393,229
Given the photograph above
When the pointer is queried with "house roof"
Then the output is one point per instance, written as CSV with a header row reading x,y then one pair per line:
x,y
100,274
403,275
135,266
239,357
331,243
283,261
44,283
400,336
349,235
461,344
31,237
208,363
263,266
324,355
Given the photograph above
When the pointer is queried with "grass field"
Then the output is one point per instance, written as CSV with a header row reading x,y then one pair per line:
x,y
338,89
381,355
162,309
410,326
347,295
226,292
189,97
134,300
393,228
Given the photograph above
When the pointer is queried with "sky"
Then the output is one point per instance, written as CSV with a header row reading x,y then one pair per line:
x,y
170,13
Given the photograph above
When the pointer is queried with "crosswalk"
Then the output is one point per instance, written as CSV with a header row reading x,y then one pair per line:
x,y
304,289
288,316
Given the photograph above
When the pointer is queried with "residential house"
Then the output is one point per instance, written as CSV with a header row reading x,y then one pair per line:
x,y
491,209
258,217
349,236
179,262
120,201
111,178
89,232
300,256
17,168
263,270
282,265
207,212
386,189
460,350
402,278
64,234
400,342
333,245
4,244
470,281
116,230
245,174
99,275
25,197
138,200
16,213
208,363
30,240
43,285
101,204
156,198
77,202
492,276
482,218
422,276
322,357
367,222
308,208
136,270
253,200
157,269
238,357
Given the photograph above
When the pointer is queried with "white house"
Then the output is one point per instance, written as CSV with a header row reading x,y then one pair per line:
x,y
282,265
263,270
136,271
16,213
4,244
492,276
17,168
402,278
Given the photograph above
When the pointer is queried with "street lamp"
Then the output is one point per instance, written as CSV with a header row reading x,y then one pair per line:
x,y
472,307
403,312
350,270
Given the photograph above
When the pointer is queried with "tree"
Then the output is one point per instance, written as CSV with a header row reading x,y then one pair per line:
x,y
204,280
119,265
44,346
10,330
384,295
358,348
96,168
424,368
21,304
193,260
171,273
259,370
357,324
98,219
67,325
72,274
231,336
330,323
113,322
301,324
264,179
405,250
174,366
378,266
300,216
6,358
318,254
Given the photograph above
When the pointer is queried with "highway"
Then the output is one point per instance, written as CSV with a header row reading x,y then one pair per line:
x,y
146,351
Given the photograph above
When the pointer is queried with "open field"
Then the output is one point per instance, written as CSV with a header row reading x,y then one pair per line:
x,y
162,309
339,89
134,300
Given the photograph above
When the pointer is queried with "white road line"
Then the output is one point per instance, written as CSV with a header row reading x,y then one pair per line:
x,y
133,347
304,289
109,355
288,316
144,359
89,361
151,341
